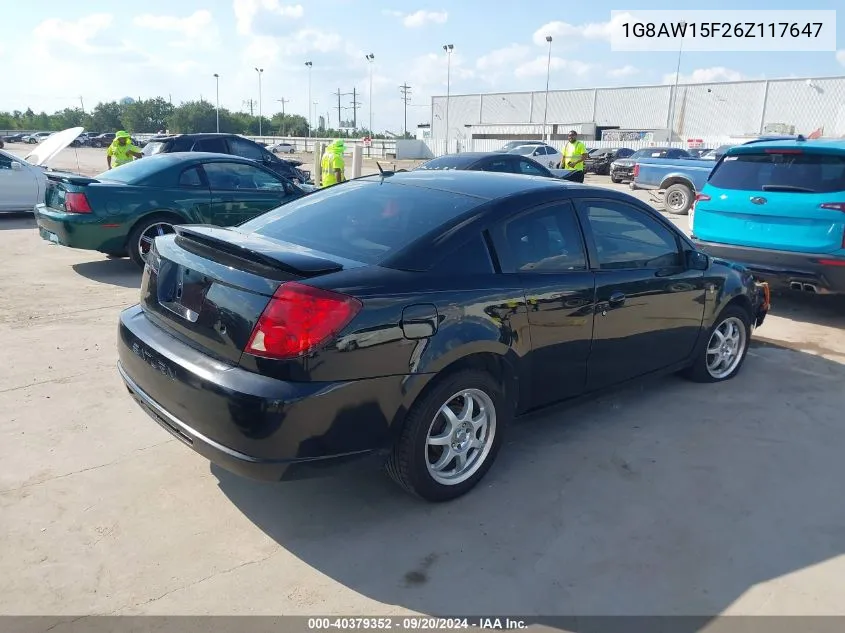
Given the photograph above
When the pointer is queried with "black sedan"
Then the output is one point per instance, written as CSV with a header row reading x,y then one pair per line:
x,y
410,317
495,162
598,160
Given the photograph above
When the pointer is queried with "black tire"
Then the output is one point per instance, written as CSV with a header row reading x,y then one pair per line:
x,y
140,228
681,198
698,371
407,464
615,180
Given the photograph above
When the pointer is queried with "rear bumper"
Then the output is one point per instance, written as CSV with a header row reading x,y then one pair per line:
x,y
76,230
783,269
252,425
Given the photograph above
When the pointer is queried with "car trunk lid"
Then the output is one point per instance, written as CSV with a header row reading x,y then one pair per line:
x,y
780,198
66,192
209,286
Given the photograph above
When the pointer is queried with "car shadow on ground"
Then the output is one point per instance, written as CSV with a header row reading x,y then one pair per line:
x,y
117,272
17,221
663,498
819,309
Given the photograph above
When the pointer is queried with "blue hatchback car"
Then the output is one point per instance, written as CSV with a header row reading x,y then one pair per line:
x,y
778,208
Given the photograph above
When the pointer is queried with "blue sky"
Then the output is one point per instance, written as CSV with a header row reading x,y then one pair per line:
x,y
60,51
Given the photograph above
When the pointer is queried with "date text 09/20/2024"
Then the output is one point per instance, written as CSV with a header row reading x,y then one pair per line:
x,y
415,623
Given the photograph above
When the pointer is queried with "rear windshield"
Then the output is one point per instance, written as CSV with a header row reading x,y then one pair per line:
x,y
153,147
801,173
651,152
447,162
134,172
362,221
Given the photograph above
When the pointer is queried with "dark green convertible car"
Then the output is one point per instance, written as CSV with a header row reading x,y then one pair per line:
x,y
122,210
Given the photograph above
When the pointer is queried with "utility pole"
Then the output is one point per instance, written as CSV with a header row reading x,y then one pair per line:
x,y
354,105
405,89
82,104
250,103
339,110
283,101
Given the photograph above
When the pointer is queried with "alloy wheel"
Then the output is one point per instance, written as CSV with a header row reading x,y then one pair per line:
x,y
150,233
460,437
725,348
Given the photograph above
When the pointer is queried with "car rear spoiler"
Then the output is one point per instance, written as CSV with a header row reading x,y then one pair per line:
x,y
69,179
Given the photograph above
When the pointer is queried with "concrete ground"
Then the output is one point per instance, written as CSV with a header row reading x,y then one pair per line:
x,y
663,498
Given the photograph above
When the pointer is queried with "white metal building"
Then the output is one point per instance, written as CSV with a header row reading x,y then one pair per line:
x,y
723,109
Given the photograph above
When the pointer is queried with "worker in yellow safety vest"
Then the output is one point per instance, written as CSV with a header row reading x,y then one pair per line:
x,y
574,153
332,164
121,150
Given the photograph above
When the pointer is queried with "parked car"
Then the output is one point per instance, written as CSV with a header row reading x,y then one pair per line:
x,y
698,152
14,138
622,169
120,211
598,160
543,154
679,179
2,144
282,148
228,144
497,294
495,162
102,140
514,144
23,180
35,138
778,208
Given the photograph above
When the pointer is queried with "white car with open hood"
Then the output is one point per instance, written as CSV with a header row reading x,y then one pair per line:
x,y
23,180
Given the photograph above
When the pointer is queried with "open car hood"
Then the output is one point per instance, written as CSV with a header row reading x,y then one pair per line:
x,y
50,147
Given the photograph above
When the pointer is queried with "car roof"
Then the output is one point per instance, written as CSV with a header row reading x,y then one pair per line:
x,y
825,145
197,157
478,184
200,135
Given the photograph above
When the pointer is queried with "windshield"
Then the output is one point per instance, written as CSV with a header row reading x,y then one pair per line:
x,y
524,150
509,146
773,171
153,147
650,152
365,221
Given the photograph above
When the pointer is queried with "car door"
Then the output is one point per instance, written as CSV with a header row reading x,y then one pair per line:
x,y
195,195
240,191
18,185
649,307
545,248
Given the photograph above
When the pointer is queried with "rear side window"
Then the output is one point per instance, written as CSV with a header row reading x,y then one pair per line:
x,y
214,145
471,258
179,145
791,172
546,241
190,178
365,221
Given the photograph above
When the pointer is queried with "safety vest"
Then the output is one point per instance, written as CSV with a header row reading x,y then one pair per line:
x,y
570,151
120,153
329,163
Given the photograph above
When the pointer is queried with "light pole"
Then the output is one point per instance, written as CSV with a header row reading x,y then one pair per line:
x,y
309,65
217,80
370,59
260,72
548,73
675,89
448,48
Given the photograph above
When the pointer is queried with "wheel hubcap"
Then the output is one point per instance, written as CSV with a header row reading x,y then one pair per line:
x,y
152,232
677,200
460,437
725,347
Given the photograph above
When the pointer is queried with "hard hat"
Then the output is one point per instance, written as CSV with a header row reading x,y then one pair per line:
x,y
122,134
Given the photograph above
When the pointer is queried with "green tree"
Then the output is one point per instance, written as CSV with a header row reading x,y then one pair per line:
x,y
107,117
193,116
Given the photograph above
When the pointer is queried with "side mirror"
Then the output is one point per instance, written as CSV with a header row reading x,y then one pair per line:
x,y
696,260
16,166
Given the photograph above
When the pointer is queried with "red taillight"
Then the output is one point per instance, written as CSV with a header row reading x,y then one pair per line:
x,y
832,262
636,170
700,196
77,203
298,319
834,206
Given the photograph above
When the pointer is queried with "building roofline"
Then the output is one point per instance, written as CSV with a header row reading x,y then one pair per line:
x,y
708,83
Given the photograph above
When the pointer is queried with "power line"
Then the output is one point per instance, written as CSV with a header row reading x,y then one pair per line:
x,y
405,89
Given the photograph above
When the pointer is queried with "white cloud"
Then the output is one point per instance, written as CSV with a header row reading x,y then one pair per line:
x,y
422,18
624,71
508,56
705,76
427,75
247,10
198,29
75,33
840,56
562,32
538,66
